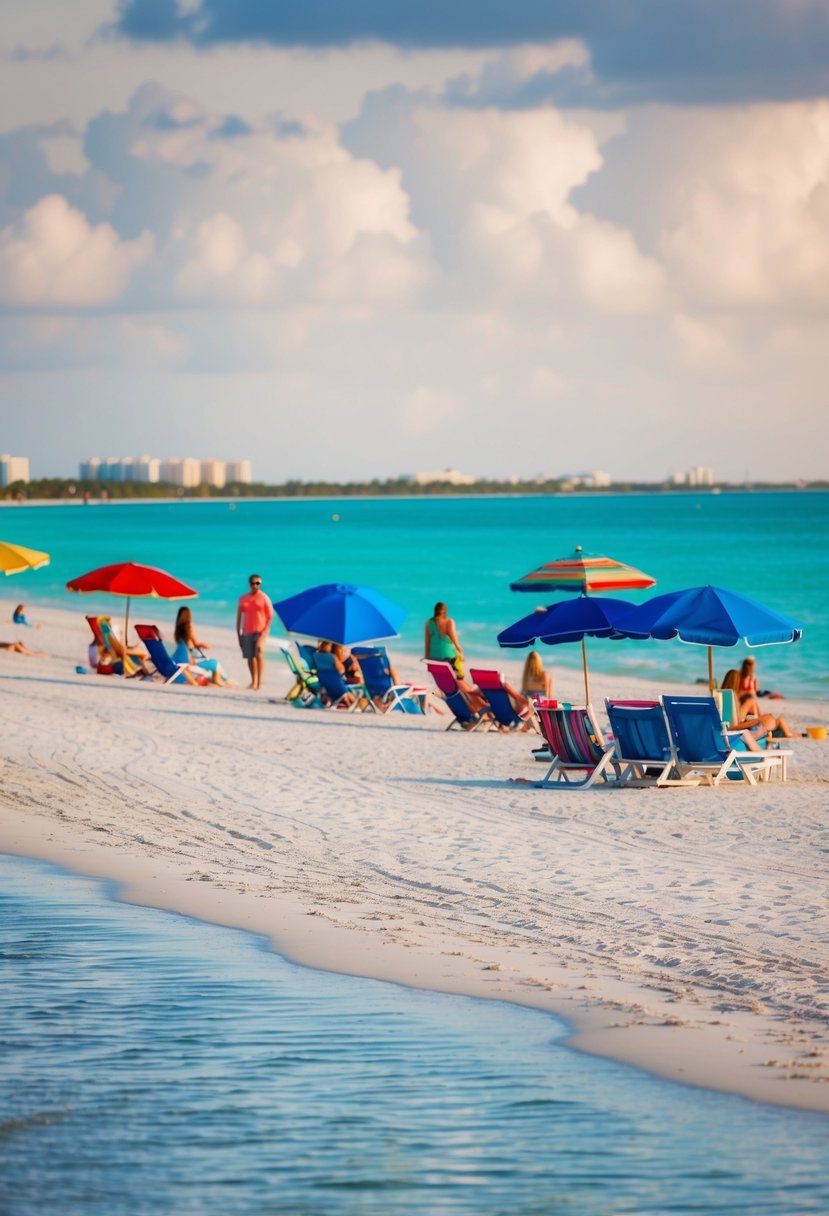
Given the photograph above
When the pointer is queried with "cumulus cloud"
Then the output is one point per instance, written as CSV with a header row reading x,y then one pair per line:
x,y
751,225
686,51
258,213
55,257
503,216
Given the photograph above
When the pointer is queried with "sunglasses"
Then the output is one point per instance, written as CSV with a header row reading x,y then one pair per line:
x,y
256,582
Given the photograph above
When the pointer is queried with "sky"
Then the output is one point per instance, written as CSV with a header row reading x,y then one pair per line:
x,y
350,239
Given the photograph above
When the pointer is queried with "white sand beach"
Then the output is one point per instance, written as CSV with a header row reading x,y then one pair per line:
x,y
685,931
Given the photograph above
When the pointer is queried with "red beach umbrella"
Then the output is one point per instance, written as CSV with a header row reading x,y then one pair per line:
x,y
584,573
130,579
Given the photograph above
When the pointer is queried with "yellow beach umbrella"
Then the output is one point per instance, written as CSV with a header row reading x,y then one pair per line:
x,y
14,559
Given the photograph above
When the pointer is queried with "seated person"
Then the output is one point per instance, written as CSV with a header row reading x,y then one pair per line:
x,y
748,681
749,716
336,652
130,658
347,664
187,645
19,618
536,682
521,706
473,696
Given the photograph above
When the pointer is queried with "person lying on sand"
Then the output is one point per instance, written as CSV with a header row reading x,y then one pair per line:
x,y
22,648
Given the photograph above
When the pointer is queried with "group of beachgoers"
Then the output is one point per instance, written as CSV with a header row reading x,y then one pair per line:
x,y
441,642
255,613
748,716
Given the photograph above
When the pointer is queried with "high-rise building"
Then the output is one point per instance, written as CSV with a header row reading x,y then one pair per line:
x,y
13,468
213,473
185,472
239,471
146,469
110,469
701,476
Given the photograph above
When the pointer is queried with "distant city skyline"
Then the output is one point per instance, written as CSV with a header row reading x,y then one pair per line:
x,y
189,472
498,239
186,471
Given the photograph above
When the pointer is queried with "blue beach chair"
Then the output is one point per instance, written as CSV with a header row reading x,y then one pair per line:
x,y
642,744
376,668
306,686
170,671
334,686
701,744
307,657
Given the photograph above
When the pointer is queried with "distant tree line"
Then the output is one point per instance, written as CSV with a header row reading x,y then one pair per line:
x,y
59,488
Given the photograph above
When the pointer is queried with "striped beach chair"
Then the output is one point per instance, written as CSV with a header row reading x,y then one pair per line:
x,y
580,755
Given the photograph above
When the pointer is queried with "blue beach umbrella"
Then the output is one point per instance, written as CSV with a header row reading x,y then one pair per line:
x,y
710,616
341,612
569,621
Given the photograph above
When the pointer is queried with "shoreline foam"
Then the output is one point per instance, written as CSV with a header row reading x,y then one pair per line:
x,y
682,931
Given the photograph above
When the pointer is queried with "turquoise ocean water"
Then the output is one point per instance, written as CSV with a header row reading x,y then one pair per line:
x,y
150,1064
772,546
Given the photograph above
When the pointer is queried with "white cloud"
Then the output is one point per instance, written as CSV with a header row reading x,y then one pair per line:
x,y
55,257
750,226
613,275
503,216
258,214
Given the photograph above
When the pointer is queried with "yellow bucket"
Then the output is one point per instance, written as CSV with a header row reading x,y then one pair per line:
x,y
816,732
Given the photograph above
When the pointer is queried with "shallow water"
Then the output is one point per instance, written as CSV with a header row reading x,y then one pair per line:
x,y
772,546
152,1064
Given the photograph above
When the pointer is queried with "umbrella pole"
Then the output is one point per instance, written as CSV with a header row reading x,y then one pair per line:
x,y
711,670
584,665
126,627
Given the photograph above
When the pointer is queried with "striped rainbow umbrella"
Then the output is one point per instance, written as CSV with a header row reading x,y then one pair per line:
x,y
582,573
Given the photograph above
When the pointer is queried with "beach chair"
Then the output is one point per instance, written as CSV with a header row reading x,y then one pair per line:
x,y
642,744
701,744
728,705
376,669
577,746
336,689
443,674
307,657
306,686
123,660
170,671
491,685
